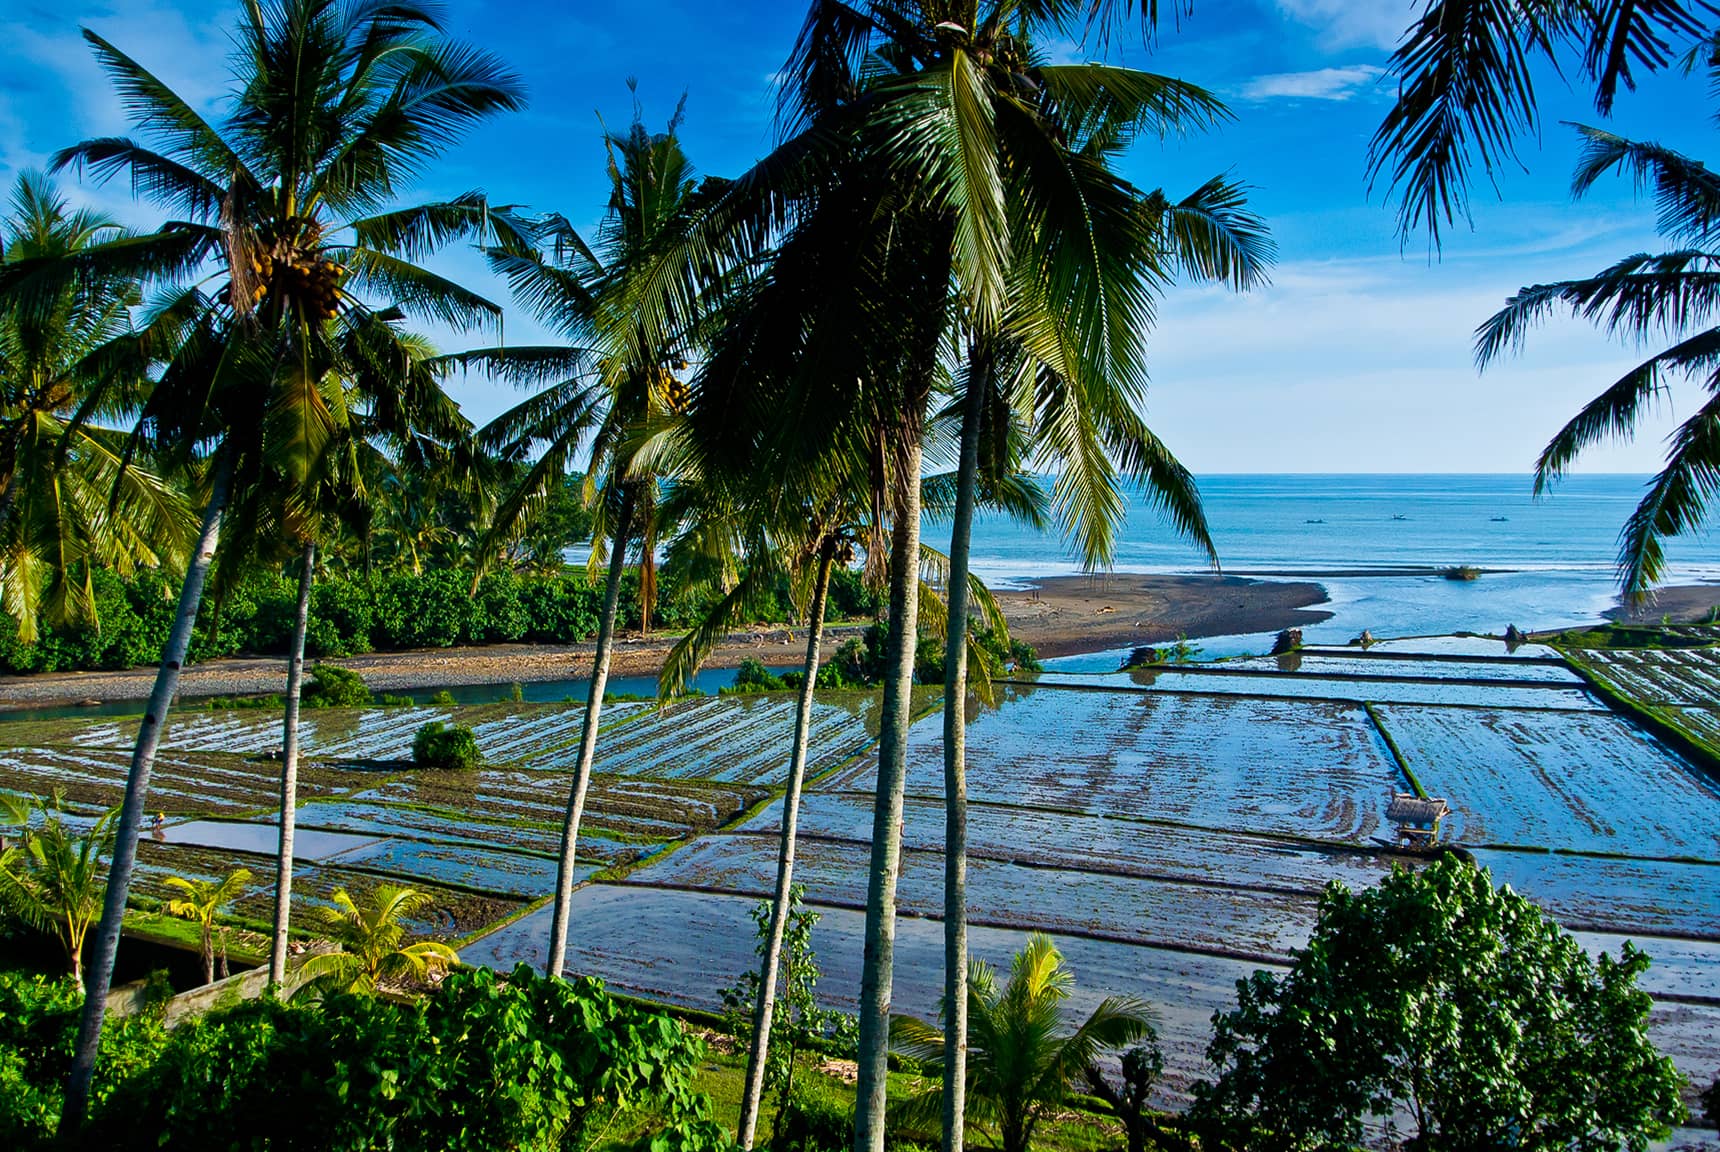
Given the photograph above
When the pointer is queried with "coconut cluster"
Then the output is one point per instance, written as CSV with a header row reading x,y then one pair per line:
x,y
293,272
672,391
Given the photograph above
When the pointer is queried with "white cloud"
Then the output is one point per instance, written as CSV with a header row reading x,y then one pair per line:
x,y
1319,84
1353,23
1367,365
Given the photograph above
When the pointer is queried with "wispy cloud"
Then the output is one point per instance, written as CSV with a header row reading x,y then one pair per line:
x,y
1318,84
1353,23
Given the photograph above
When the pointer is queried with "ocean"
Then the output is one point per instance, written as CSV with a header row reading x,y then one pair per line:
x,y
1555,557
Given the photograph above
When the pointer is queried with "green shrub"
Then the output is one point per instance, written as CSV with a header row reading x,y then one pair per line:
x,y
334,687
38,1026
485,1062
753,676
341,618
444,698
424,610
814,1122
501,616
1437,996
438,745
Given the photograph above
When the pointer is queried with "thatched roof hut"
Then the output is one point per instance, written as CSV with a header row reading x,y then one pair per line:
x,y
1409,809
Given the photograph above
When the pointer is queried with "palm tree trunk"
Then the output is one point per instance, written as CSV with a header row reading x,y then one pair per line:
x,y
879,957
588,738
208,951
756,1058
290,773
100,974
955,772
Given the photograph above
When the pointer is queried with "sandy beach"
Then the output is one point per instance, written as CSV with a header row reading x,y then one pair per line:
x,y
1058,616
1064,615
1684,603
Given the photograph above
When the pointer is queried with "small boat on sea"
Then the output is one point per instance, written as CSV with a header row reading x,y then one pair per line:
x,y
1313,521
1399,516
1500,519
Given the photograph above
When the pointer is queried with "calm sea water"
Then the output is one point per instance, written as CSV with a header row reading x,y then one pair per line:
x,y
1559,551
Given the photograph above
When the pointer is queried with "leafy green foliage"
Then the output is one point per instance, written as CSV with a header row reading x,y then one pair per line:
x,y
1024,1048
349,616
439,745
1439,997
38,1024
753,676
333,687
485,1062
201,901
373,948
798,1023
814,1121
55,879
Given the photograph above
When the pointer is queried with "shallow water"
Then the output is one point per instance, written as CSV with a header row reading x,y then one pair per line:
x,y
262,839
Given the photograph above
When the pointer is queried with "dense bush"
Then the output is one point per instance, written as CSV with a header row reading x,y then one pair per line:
x,y
485,1062
1438,997
398,610
333,687
38,1025
753,676
814,1122
438,745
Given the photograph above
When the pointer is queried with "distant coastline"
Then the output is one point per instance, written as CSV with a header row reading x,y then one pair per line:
x,y
1058,615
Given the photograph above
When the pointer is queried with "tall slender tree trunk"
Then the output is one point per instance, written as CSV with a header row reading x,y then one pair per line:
x,y
557,957
880,952
955,769
99,975
208,953
290,773
756,1058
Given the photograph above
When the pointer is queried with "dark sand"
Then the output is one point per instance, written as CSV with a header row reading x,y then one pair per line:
x,y
1684,603
1063,615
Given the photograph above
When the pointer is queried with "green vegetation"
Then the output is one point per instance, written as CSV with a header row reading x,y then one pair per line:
x,y
439,745
1147,656
799,1026
1024,1052
1461,572
1437,996
202,903
38,1024
357,1072
55,879
373,950
398,610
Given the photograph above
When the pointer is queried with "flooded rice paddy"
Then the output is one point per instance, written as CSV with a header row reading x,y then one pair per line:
x,y
1172,829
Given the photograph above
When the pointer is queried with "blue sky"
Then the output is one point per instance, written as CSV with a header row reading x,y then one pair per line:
x,y
1357,358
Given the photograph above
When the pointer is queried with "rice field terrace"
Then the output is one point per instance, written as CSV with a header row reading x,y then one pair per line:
x,y
1172,828
1311,769
1679,676
1590,782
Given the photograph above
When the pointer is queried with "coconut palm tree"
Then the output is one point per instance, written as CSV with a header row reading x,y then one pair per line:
x,y
944,185
372,941
53,881
1642,297
202,902
69,368
592,398
286,233
398,418
1024,1049
803,541
1465,85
